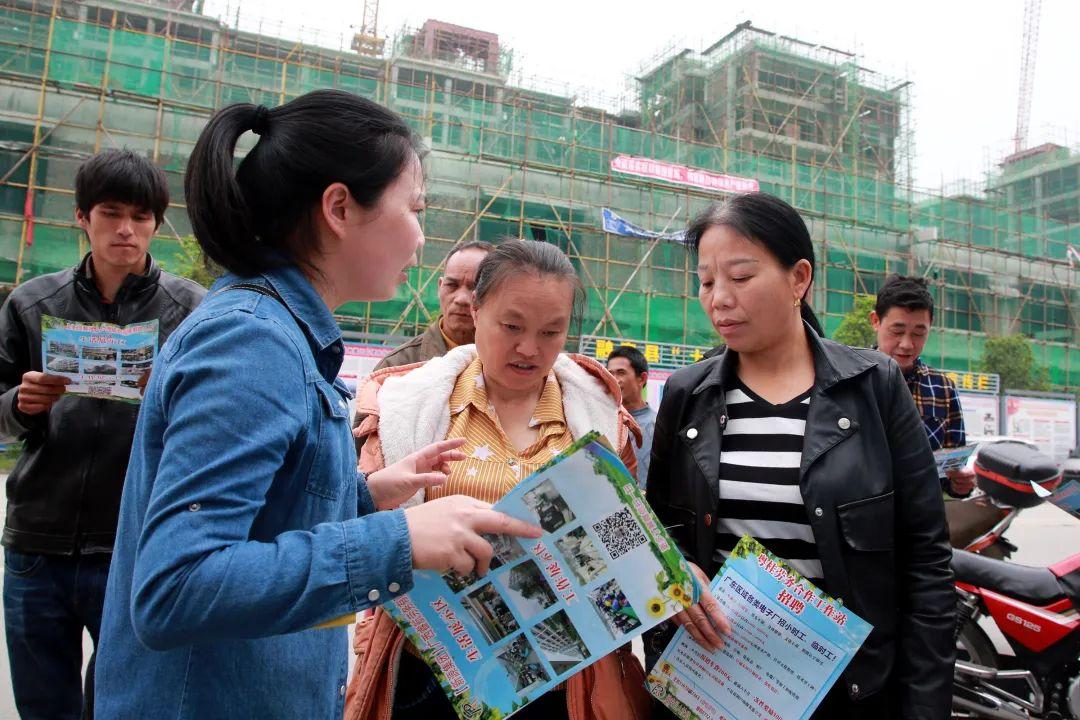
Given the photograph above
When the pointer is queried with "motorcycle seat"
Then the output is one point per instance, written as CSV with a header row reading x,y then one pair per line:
x,y
1035,586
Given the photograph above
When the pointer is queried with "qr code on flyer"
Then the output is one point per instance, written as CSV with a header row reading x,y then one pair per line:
x,y
620,533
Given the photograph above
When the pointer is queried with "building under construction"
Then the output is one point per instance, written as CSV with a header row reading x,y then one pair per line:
x,y
802,121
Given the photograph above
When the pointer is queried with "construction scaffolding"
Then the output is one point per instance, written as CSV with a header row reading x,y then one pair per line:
x,y
807,123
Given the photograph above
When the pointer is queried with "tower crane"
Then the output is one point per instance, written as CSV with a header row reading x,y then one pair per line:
x,y
1028,52
367,40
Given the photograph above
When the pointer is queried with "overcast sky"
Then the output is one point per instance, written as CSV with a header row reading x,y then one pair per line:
x,y
962,56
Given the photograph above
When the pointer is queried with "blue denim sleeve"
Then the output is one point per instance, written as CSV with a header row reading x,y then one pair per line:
x,y
364,502
234,403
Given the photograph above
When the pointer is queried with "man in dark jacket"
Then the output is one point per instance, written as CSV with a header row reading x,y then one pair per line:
x,y
63,495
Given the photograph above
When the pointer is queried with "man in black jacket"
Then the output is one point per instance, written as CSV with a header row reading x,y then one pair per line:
x,y
63,495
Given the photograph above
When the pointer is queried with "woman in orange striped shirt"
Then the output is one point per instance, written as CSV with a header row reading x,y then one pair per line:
x,y
518,401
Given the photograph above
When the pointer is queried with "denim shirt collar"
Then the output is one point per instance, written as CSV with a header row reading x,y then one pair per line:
x,y
305,304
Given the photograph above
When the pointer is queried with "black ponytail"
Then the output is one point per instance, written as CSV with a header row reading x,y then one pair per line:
x,y
770,222
252,218
215,201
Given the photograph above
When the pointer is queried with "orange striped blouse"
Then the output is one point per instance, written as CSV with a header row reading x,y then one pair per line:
x,y
492,465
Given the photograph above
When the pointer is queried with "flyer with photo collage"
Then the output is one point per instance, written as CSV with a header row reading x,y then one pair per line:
x,y
788,645
103,360
950,459
604,572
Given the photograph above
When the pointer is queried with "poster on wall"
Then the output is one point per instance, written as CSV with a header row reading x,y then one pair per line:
x,y
654,389
360,360
1049,423
981,414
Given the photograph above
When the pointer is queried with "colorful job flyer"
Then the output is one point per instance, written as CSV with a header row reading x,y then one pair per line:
x,y
604,572
951,459
102,360
1067,497
789,644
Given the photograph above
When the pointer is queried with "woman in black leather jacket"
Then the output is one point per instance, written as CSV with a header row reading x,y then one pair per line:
x,y
817,450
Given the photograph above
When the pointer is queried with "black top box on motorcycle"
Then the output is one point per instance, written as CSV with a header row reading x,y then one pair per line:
x,y
1005,471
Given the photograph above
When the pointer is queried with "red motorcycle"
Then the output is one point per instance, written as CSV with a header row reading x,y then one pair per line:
x,y
1036,609
1038,612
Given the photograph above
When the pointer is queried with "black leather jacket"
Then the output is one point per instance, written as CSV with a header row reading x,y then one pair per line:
x,y
64,492
872,497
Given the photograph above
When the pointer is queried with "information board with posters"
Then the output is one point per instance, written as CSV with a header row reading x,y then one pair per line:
x,y
360,360
1048,422
666,356
654,388
982,414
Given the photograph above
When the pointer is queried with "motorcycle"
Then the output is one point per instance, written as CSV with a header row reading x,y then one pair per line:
x,y
1037,610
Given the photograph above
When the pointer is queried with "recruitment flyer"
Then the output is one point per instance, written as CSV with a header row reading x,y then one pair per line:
x,y
788,646
951,459
1066,496
102,360
604,571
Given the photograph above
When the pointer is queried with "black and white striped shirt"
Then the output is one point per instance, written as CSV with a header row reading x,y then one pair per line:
x,y
759,480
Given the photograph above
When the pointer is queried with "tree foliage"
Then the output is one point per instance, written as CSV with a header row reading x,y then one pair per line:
x,y
1011,357
194,265
855,329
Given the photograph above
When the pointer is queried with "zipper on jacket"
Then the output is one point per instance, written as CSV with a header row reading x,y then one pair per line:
x,y
391,682
112,314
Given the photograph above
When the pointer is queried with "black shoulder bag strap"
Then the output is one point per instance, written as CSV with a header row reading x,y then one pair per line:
x,y
260,289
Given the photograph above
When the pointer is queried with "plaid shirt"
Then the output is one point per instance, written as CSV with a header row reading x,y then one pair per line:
x,y
939,405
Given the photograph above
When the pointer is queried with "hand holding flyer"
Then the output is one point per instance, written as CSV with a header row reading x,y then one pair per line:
x,y
604,572
102,360
951,459
788,646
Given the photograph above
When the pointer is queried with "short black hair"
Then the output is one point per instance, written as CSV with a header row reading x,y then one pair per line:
x,y
637,360
906,292
471,245
121,176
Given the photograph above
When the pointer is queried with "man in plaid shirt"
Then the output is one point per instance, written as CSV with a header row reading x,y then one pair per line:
x,y
902,318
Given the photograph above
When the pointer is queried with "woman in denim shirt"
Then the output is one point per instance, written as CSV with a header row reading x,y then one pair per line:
x,y
244,523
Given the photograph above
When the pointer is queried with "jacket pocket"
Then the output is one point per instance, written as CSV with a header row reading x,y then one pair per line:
x,y
21,564
868,524
329,471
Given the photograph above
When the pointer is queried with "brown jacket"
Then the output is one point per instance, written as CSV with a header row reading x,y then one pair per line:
x,y
425,346
612,688
421,348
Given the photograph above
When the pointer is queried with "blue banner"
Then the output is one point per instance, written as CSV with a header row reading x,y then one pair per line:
x,y
617,225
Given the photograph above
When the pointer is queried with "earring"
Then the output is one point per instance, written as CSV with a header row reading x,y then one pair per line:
x,y
798,302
